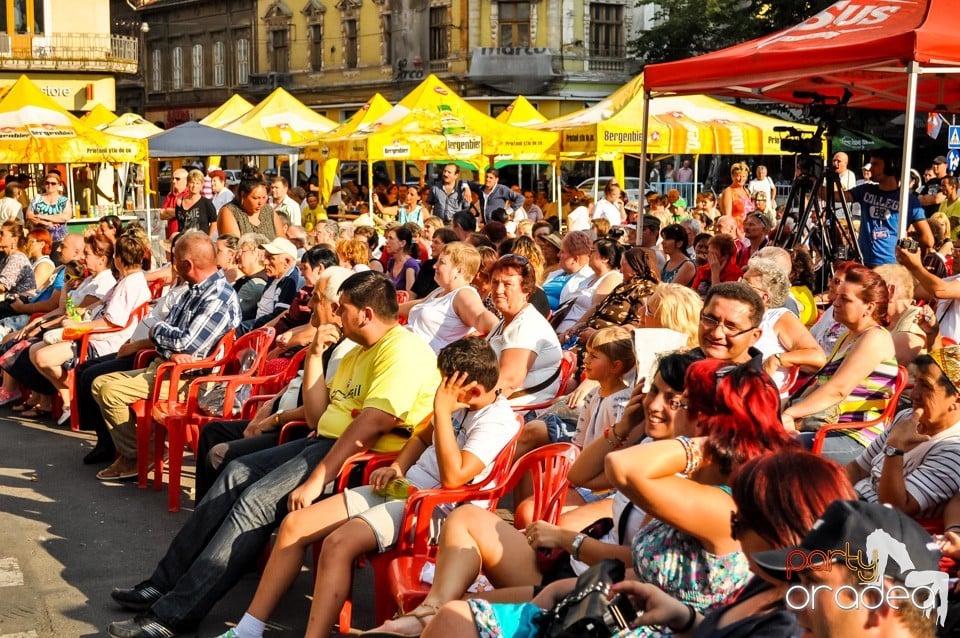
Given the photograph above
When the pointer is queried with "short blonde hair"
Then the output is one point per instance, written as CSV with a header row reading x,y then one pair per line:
x,y
899,277
679,310
195,176
353,251
433,222
616,342
463,256
739,167
939,226
525,227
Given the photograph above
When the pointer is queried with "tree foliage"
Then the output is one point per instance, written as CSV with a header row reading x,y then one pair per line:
x,y
686,28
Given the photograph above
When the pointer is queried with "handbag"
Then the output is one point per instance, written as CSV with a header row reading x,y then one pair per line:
x,y
589,611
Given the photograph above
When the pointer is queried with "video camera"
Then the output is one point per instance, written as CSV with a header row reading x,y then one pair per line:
x,y
799,142
828,111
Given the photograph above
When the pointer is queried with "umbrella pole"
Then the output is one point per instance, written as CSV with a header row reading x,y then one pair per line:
x,y
70,191
643,164
696,179
910,117
146,201
596,177
370,187
557,192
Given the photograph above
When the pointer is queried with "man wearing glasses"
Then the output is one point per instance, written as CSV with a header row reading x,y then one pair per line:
x,y
178,188
730,322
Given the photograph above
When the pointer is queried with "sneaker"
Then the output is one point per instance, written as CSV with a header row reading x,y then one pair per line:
x,y
144,625
139,598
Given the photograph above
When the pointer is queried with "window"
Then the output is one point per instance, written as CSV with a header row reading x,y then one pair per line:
x,y
279,50
439,26
177,68
197,66
156,69
243,61
386,34
219,64
606,30
316,46
350,44
27,16
514,23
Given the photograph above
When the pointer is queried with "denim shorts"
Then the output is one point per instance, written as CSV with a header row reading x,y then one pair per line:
x,y
558,429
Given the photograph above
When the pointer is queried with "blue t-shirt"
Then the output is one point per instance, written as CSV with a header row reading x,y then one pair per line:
x,y
880,221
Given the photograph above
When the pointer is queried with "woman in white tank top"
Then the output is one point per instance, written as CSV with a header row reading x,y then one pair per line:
x,y
455,309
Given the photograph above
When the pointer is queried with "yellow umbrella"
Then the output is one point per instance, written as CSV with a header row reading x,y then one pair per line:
x,y
35,129
98,115
283,119
234,108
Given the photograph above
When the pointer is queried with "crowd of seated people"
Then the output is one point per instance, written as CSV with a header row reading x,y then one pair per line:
x,y
703,368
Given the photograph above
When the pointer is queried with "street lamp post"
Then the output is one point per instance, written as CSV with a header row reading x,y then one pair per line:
x,y
144,30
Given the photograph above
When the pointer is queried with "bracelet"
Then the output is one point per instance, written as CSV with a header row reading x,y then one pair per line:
x,y
617,441
691,621
576,545
693,453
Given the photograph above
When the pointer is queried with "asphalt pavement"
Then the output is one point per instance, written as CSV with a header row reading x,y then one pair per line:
x,y
66,539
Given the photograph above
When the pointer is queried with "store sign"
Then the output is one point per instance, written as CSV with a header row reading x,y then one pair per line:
x,y
72,92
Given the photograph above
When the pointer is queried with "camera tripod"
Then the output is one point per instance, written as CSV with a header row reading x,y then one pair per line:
x,y
829,233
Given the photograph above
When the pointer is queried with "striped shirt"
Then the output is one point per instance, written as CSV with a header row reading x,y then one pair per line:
x,y
931,470
204,313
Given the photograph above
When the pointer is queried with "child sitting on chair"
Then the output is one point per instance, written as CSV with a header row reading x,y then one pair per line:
x,y
471,425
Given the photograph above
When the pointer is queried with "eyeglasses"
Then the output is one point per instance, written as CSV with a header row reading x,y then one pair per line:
x,y
178,179
675,402
736,527
52,183
710,323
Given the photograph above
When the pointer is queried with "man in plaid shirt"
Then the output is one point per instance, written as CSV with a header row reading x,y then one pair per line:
x,y
205,313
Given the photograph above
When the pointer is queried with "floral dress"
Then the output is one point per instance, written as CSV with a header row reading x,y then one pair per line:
x,y
40,207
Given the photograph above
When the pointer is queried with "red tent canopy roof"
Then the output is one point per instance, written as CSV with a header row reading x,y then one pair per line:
x,y
862,45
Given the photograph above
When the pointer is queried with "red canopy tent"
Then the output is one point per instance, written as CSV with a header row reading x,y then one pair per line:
x,y
891,54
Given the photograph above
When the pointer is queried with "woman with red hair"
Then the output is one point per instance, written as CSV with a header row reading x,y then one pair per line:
x,y
39,245
859,376
686,547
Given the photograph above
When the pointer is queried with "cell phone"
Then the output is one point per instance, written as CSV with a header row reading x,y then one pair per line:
x,y
909,245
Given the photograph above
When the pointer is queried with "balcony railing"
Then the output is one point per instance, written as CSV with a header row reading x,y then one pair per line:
x,y
102,52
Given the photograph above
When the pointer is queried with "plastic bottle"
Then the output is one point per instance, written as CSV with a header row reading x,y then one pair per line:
x,y
71,309
398,489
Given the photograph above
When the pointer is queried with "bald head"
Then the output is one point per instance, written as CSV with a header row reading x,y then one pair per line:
x,y
840,161
195,256
727,225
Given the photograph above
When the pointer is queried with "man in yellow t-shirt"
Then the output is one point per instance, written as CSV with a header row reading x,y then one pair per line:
x,y
951,205
381,391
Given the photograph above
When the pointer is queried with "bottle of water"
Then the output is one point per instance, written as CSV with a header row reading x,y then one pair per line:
x,y
71,309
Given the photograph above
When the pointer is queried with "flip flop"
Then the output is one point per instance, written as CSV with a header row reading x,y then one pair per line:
x,y
426,611
20,407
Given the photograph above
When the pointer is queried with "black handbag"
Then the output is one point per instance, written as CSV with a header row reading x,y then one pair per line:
x,y
590,611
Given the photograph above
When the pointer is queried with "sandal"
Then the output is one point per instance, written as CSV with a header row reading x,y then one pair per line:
x,y
35,412
423,610
20,407
116,471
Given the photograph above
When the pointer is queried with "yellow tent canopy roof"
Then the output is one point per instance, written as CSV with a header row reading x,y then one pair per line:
x,y
35,129
694,124
521,113
233,109
98,115
372,111
131,125
435,124
282,119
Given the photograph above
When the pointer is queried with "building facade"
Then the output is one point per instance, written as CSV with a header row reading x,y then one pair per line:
x,y
68,48
198,54
334,54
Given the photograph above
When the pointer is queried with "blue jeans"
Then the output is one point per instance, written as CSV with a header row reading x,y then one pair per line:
x,y
229,528
836,446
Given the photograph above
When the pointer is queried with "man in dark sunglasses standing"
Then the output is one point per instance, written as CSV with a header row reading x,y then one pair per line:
x,y
178,188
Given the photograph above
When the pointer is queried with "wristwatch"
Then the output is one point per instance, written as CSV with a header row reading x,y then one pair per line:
x,y
575,545
889,450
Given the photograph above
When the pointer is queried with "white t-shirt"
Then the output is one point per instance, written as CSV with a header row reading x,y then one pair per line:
x,y
609,211
529,330
435,321
948,315
578,219
130,292
599,413
764,185
769,343
97,287
483,433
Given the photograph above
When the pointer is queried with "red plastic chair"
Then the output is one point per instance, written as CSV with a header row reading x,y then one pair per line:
x,y
885,418
548,466
182,420
143,408
418,514
568,363
68,335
